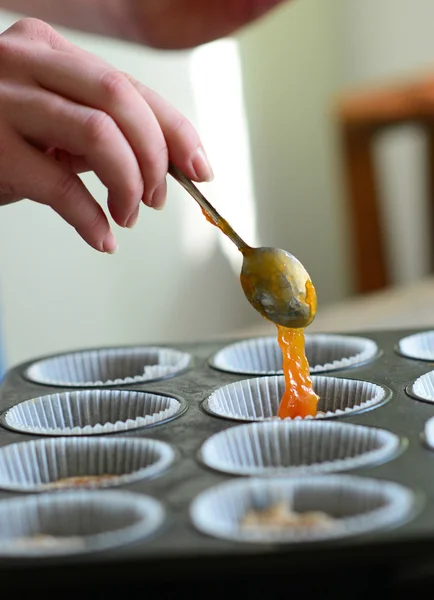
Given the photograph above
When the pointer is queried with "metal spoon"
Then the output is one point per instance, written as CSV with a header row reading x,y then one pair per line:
x,y
274,281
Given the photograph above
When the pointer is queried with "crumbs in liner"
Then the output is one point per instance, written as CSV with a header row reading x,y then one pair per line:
x,y
280,515
42,542
80,481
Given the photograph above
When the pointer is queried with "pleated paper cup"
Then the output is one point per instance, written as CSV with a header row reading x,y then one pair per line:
x,y
297,448
346,505
76,522
324,352
419,346
258,399
423,387
91,412
61,463
429,433
113,366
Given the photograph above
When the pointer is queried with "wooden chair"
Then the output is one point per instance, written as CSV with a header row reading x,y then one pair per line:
x,y
362,116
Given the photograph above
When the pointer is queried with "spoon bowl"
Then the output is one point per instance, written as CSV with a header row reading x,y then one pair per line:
x,y
278,286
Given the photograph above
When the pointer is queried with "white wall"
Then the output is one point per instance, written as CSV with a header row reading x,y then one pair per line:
x,y
58,294
291,71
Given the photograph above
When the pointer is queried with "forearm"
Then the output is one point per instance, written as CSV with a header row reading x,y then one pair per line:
x,y
105,17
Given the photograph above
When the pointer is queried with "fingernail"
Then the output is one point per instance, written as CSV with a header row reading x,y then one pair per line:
x,y
109,244
201,166
159,197
133,218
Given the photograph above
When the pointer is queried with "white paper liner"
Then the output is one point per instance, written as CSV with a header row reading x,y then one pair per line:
x,y
76,522
297,448
357,504
112,366
33,466
423,387
90,412
324,352
258,399
429,432
419,346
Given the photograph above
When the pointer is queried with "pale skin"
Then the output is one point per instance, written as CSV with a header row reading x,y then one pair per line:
x,y
64,111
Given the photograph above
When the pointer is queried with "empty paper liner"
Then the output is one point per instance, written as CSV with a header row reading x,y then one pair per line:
x,y
60,463
419,346
334,506
259,398
423,387
76,522
114,366
91,412
429,432
324,352
296,448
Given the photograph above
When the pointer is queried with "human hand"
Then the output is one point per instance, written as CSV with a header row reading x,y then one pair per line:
x,y
64,111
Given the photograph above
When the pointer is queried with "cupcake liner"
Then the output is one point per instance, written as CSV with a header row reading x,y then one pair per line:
x,y
419,346
325,352
296,448
91,412
258,399
423,387
113,366
76,522
429,433
55,464
352,505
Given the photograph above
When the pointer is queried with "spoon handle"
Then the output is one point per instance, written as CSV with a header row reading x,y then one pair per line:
x,y
209,211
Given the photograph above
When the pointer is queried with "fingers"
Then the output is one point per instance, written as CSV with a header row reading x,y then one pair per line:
x,y
82,131
184,145
28,173
110,92
154,129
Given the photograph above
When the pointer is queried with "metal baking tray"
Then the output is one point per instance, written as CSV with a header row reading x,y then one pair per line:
x,y
179,558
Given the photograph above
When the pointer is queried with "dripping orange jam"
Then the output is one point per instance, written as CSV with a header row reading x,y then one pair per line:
x,y
299,399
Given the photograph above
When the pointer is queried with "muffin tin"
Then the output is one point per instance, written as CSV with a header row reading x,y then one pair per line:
x,y
367,459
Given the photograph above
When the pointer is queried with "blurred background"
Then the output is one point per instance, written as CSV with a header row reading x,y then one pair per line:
x,y
263,102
